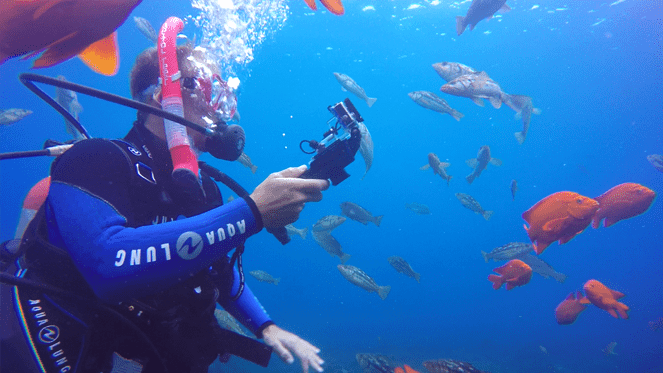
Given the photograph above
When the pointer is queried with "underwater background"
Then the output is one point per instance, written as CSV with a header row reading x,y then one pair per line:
x,y
595,69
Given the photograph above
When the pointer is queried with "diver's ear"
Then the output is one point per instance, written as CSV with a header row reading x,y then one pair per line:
x,y
156,95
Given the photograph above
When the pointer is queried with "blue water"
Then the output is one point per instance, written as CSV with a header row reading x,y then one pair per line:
x,y
600,90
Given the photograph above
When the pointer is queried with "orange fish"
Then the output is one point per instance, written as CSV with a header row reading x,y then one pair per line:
x,y
514,273
407,369
63,29
603,297
568,311
334,6
622,202
560,216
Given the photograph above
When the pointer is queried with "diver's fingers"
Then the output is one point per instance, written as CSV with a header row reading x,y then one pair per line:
x,y
283,353
291,172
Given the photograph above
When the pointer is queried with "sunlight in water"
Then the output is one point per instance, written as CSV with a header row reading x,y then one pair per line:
x,y
233,29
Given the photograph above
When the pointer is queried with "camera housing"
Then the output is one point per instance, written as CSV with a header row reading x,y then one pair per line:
x,y
338,146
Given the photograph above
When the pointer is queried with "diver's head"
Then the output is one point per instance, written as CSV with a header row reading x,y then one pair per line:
x,y
207,100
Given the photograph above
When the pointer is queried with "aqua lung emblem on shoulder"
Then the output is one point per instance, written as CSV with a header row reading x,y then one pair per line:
x,y
49,334
134,151
189,245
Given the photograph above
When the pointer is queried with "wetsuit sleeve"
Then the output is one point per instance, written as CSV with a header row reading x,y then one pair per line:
x,y
247,309
88,218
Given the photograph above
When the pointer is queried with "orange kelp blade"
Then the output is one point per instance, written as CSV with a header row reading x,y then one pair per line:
x,y
103,55
334,6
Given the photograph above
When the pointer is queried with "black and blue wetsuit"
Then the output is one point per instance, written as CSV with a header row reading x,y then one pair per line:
x,y
142,244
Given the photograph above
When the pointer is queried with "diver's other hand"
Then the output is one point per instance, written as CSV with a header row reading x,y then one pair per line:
x,y
281,197
286,343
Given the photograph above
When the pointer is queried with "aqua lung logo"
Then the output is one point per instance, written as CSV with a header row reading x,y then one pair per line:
x,y
134,151
189,245
49,334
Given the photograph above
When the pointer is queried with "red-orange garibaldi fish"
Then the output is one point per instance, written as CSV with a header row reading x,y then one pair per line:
x,y
622,202
63,29
408,369
568,311
560,216
604,298
334,6
514,273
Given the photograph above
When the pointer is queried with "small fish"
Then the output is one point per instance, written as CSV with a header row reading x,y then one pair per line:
x,y
438,167
606,299
479,10
360,214
334,6
330,244
292,231
452,70
230,199
449,366
514,188
328,223
568,311
264,277
476,87
610,348
541,267
623,201
558,217
480,163
227,321
470,203
656,160
403,267
408,369
146,29
512,250
366,147
374,363
63,29
358,277
524,108
351,86
656,324
514,273
418,208
11,116
431,101
543,349
245,160
69,101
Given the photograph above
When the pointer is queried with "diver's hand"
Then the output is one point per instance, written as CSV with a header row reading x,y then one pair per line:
x,y
281,197
286,343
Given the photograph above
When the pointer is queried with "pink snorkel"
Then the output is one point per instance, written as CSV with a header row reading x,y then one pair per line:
x,y
185,162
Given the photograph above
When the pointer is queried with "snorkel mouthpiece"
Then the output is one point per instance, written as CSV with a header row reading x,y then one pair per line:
x,y
227,142
185,161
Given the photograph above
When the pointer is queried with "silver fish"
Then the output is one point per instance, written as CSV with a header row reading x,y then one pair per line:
x,y
438,167
418,208
452,70
656,160
227,321
431,101
514,188
524,108
366,147
11,116
475,87
480,163
450,366
292,231
470,203
509,251
403,267
265,277
330,244
360,214
539,266
479,10
245,160
375,363
328,223
146,29
350,85
69,101
358,277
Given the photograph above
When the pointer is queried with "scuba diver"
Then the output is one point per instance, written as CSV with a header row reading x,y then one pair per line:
x,y
144,252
